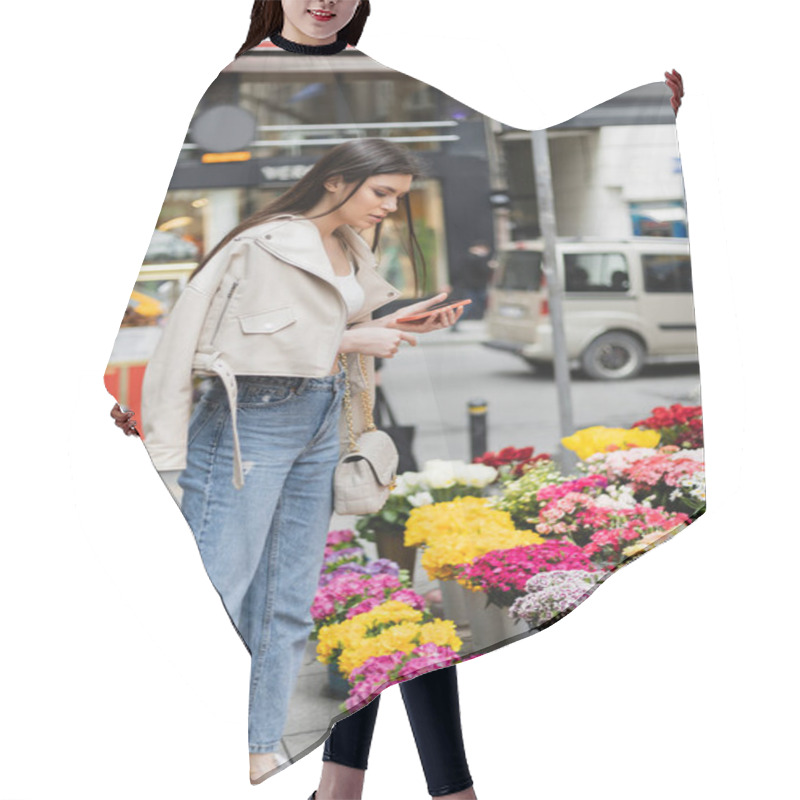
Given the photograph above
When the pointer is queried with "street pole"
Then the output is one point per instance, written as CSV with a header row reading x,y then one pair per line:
x,y
547,226
476,410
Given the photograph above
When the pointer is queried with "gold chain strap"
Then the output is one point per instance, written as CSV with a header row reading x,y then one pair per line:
x,y
348,407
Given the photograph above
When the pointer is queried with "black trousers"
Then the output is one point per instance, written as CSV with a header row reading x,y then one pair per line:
x,y
431,702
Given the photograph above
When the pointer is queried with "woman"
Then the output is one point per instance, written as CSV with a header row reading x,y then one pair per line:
x,y
269,313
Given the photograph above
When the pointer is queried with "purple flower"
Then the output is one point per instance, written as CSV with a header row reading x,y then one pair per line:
x,y
383,566
551,594
349,567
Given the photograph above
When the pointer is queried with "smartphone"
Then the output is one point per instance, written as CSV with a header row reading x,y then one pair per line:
x,y
432,310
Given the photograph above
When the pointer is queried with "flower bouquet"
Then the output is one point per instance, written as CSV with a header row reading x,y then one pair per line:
x,y
511,463
390,627
350,593
438,481
454,533
621,534
378,672
341,550
551,595
503,574
599,439
519,497
667,477
678,425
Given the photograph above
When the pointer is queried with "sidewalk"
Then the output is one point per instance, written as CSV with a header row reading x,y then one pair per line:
x,y
469,331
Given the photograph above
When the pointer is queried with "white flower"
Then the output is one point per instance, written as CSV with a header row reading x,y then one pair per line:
x,y
408,483
617,497
420,499
400,488
439,474
476,475
693,485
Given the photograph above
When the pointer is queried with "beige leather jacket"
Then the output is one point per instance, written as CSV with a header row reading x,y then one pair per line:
x,y
265,304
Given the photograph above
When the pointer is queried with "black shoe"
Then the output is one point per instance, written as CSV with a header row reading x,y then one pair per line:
x,y
313,795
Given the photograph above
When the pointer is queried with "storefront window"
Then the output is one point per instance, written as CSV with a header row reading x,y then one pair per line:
x,y
191,222
305,116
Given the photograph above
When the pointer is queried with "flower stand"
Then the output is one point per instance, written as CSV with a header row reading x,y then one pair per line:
x,y
453,602
491,624
389,544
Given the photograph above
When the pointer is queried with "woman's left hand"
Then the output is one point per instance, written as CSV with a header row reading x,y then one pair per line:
x,y
124,420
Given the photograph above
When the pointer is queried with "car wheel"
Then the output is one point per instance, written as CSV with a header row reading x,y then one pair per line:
x,y
613,356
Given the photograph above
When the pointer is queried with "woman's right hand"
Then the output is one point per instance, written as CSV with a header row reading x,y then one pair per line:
x,y
378,342
674,81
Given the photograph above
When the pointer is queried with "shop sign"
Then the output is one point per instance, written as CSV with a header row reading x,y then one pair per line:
x,y
285,172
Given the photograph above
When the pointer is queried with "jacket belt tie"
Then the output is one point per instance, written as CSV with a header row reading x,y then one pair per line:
x,y
214,364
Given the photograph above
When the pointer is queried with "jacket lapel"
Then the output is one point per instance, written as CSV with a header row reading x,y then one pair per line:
x,y
298,242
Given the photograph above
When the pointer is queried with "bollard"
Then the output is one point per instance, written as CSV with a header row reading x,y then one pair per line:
x,y
477,410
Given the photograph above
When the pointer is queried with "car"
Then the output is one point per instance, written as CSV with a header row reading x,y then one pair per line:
x,y
626,303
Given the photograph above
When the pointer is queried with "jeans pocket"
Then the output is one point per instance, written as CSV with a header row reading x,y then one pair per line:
x,y
203,414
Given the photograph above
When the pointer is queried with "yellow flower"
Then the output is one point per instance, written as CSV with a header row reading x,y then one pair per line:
x,y
458,531
341,636
352,642
429,522
399,638
403,637
588,441
441,632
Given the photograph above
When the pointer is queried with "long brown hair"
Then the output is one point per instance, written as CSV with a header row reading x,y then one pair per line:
x,y
354,161
266,18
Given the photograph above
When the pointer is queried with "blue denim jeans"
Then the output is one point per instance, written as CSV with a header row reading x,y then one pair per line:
x,y
263,545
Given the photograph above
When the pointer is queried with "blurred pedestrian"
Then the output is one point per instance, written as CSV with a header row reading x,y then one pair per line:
x,y
471,281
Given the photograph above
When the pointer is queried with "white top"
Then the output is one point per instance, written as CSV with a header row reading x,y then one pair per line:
x,y
351,291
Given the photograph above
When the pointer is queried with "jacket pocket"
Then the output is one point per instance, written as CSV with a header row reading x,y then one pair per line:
x,y
268,321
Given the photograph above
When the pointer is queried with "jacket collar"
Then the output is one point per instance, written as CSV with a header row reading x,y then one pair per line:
x,y
298,241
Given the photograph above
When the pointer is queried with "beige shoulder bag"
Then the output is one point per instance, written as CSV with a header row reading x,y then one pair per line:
x,y
365,474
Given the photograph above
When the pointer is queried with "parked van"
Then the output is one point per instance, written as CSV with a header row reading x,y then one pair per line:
x,y
626,303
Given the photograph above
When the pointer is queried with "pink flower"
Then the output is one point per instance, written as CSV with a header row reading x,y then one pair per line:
x,y
410,597
340,537
509,570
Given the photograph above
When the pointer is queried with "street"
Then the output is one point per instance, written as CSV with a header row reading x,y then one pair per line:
x,y
430,386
